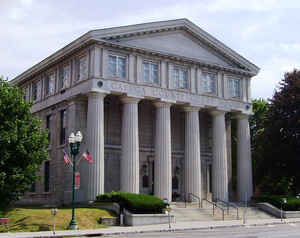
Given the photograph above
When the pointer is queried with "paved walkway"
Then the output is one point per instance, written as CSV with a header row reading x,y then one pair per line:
x,y
179,226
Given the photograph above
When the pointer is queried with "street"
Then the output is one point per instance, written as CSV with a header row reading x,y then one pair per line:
x,y
268,231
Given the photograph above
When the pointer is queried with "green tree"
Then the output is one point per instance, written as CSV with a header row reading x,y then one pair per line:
x,y
22,144
257,122
281,138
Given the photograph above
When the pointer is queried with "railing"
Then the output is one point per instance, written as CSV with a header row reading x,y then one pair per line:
x,y
228,204
192,195
214,207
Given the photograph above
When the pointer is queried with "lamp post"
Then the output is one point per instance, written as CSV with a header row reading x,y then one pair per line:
x,y
74,142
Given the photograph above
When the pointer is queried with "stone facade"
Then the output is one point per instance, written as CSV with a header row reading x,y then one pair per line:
x,y
154,103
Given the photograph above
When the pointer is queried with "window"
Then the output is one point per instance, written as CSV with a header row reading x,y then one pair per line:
x,y
150,72
234,87
49,84
47,176
65,77
26,93
36,91
117,66
180,78
209,83
48,126
62,127
82,68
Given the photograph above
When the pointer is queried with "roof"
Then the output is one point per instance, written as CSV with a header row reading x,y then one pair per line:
x,y
108,34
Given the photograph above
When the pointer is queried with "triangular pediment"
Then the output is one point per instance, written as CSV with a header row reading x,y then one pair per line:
x,y
178,37
178,43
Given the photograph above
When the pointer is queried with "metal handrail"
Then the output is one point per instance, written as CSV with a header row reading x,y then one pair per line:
x,y
215,206
228,204
193,195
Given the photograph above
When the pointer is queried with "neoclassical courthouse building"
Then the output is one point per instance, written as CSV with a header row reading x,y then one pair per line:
x,y
154,102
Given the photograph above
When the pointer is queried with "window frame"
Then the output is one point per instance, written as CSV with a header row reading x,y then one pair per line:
x,y
117,75
207,88
232,91
151,81
62,84
78,59
62,133
180,68
47,80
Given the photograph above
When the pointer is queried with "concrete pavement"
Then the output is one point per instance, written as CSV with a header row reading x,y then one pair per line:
x,y
179,226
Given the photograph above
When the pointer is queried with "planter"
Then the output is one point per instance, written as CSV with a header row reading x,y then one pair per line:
x,y
277,212
146,219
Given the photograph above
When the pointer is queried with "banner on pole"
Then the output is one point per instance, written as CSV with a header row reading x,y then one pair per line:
x,y
77,180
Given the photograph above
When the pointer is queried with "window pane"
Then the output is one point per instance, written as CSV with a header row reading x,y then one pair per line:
x,y
146,72
112,65
122,67
83,69
155,73
47,176
51,83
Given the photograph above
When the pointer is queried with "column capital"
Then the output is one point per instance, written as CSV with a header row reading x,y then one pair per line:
x,y
162,104
241,116
217,112
191,108
127,99
96,94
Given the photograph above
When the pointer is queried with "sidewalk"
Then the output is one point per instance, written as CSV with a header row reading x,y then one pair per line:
x,y
180,226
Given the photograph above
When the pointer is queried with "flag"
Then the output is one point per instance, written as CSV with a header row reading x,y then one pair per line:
x,y
88,156
66,158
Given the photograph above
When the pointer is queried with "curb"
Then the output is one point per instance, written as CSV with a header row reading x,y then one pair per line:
x,y
95,233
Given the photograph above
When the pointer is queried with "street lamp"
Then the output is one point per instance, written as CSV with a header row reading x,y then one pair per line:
x,y
74,141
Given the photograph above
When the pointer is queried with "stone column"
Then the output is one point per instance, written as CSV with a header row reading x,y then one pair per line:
x,y
162,163
219,163
244,164
130,146
95,145
192,152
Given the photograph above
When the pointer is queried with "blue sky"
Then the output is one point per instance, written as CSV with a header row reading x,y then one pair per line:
x,y
264,31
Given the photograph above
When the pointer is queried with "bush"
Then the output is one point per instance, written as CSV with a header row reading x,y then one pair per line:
x,y
293,203
135,203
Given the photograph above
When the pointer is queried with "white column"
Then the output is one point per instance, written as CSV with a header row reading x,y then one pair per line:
x,y
244,164
162,163
192,152
130,146
219,163
95,145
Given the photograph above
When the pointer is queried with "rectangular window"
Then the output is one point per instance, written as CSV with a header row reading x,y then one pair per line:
x,y
47,176
62,127
82,68
180,78
117,66
234,87
150,73
48,126
34,91
26,93
209,83
49,84
65,77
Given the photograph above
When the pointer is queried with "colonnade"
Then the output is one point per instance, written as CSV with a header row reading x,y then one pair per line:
x,y
163,168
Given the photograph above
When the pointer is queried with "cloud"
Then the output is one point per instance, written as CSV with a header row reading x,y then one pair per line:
x,y
263,31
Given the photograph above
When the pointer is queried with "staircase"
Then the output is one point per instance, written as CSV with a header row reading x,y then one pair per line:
x,y
191,212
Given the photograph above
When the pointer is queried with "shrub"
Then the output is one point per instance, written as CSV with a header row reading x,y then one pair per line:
x,y
135,203
293,203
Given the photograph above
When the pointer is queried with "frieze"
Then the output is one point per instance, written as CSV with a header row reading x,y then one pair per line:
x,y
172,95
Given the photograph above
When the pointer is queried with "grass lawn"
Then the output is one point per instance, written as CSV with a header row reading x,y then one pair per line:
x,y
24,219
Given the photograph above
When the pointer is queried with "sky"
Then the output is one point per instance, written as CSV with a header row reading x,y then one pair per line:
x,y
266,32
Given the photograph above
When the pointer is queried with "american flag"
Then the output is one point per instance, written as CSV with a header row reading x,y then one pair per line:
x,y
66,158
88,156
